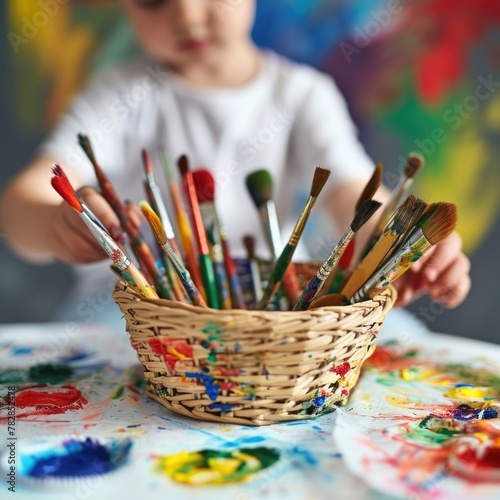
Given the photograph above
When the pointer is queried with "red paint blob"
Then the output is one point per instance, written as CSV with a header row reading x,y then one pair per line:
x,y
172,350
341,370
49,400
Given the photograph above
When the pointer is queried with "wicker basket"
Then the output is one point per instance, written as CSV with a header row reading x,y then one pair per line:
x,y
251,367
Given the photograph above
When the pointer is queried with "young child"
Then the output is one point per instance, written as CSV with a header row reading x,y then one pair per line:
x,y
208,91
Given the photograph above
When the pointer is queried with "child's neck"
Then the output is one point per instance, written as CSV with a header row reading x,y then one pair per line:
x,y
232,67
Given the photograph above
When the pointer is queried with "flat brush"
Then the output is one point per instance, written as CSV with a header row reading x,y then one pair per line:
x,y
139,246
122,263
434,226
260,188
321,175
414,163
366,211
205,192
205,263
183,225
249,242
337,279
405,217
157,228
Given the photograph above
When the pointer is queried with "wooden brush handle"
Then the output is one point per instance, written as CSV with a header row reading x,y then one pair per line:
x,y
138,282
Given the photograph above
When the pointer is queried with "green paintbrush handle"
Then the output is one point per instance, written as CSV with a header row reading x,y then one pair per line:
x,y
277,276
209,282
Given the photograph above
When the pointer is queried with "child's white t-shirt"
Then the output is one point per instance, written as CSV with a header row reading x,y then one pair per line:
x,y
289,119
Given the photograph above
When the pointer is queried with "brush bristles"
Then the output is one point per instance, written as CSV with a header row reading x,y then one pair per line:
x,y
183,164
413,164
146,160
204,184
61,184
363,215
87,147
260,186
154,221
321,175
249,242
372,186
408,214
441,223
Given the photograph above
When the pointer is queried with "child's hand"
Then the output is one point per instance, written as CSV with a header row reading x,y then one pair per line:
x,y
72,241
443,272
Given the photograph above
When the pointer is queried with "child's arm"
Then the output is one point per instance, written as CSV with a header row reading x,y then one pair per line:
x,y
40,227
443,272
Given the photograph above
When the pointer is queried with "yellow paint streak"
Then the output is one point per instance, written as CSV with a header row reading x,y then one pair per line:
x,y
468,178
471,393
55,56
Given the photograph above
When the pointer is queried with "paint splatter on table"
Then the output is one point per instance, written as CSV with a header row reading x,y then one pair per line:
x,y
87,383
425,420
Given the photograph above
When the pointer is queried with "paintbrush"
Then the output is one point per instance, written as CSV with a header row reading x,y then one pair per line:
x,y
157,227
249,242
336,280
183,225
158,204
139,246
205,191
321,175
414,163
365,212
237,299
260,188
156,201
205,263
122,263
435,225
405,217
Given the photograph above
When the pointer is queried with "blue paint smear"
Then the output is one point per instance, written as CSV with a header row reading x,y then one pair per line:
x,y
319,401
78,356
19,351
211,388
77,459
464,385
304,454
222,407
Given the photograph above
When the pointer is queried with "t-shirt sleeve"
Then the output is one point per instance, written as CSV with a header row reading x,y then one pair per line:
x,y
325,135
94,112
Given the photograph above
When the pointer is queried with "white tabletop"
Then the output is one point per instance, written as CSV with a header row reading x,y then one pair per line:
x,y
104,369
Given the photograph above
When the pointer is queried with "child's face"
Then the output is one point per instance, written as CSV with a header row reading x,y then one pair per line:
x,y
181,32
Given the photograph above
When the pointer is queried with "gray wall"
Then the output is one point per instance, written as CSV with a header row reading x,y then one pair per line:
x,y
31,293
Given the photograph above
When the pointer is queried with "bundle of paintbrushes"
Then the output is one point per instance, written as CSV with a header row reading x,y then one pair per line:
x,y
200,270
252,341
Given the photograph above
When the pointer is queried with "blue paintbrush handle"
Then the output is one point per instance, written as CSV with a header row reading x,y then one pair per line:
x,y
308,294
222,285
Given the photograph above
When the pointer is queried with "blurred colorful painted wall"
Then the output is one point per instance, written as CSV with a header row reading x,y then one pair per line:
x,y
418,76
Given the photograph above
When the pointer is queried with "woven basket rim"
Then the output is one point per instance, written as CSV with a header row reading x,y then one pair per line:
x,y
386,298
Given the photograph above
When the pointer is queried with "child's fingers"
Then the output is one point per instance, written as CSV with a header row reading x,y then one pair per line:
x,y
444,254
71,240
100,207
134,215
453,284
